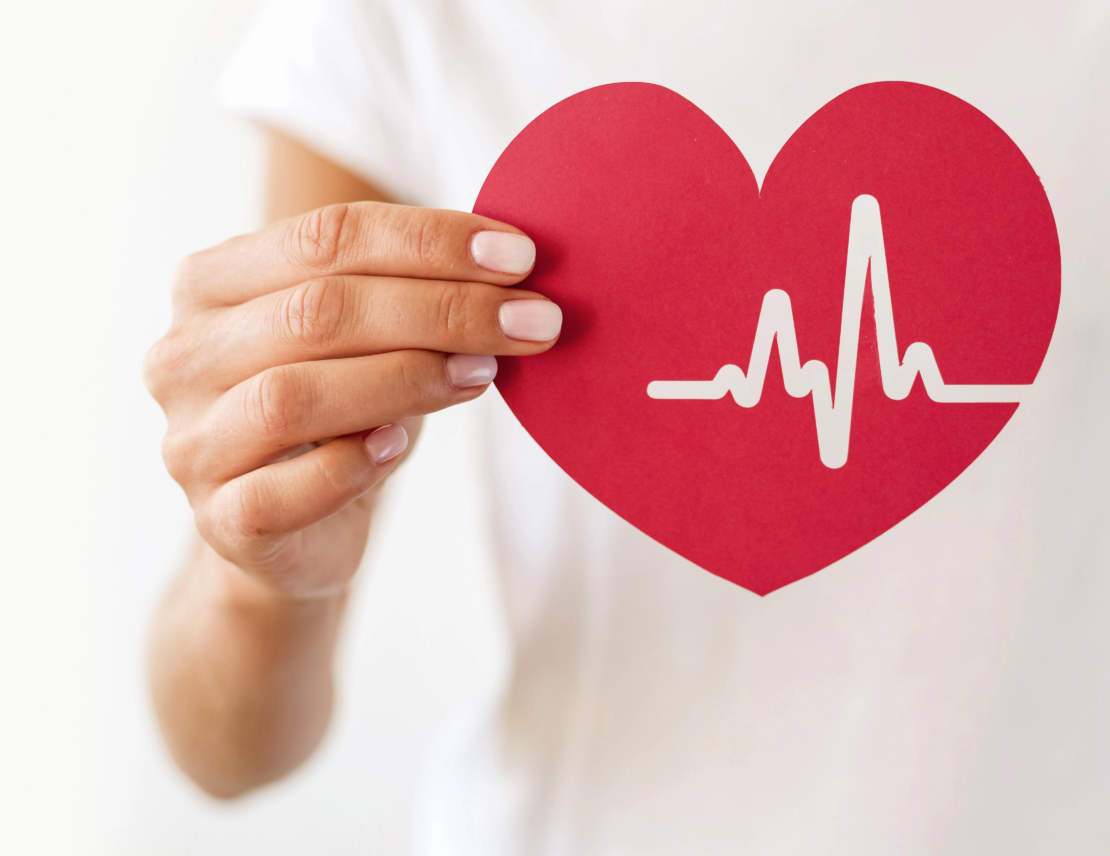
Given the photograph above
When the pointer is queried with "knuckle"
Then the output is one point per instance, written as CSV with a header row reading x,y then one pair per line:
x,y
235,519
178,458
153,372
416,386
426,238
273,403
455,310
246,513
313,313
317,238
162,366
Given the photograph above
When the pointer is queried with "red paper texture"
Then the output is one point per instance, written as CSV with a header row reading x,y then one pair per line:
x,y
655,239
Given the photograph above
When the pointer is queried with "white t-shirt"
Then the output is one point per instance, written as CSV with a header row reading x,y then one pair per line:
x,y
944,689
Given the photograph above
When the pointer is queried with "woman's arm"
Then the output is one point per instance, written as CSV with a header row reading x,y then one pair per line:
x,y
300,180
293,377
241,676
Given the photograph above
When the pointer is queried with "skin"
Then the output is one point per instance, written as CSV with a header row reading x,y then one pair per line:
x,y
287,348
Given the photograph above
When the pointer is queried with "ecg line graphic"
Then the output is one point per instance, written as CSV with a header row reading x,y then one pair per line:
x,y
834,418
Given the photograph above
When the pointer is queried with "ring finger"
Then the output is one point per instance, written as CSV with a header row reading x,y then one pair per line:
x,y
282,408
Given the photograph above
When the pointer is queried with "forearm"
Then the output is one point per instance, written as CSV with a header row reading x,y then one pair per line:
x,y
242,678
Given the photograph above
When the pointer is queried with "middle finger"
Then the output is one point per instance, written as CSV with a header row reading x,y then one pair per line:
x,y
350,316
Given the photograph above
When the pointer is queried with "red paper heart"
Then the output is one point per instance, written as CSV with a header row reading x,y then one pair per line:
x,y
655,239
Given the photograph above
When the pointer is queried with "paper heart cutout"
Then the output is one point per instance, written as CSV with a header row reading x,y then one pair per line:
x,y
655,239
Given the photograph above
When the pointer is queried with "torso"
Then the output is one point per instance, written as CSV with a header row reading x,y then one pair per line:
x,y
942,689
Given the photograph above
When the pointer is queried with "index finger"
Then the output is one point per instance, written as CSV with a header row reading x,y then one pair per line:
x,y
361,238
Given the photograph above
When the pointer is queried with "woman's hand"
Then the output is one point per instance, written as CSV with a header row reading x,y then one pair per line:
x,y
300,358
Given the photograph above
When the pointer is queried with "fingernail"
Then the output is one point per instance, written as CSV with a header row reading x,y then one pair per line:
x,y
386,443
530,320
465,370
504,252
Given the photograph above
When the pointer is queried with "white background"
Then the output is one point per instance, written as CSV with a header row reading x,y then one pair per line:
x,y
114,162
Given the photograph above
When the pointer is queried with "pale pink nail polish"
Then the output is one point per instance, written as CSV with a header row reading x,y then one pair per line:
x,y
530,320
386,443
465,370
504,252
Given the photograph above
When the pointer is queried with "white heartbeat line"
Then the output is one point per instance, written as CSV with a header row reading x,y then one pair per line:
x,y
776,319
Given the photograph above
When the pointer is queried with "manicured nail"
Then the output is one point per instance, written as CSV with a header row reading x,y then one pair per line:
x,y
386,443
504,252
465,370
530,320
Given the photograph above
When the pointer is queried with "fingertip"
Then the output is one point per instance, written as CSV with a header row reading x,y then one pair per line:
x,y
530,320
469,370
386,443
503,252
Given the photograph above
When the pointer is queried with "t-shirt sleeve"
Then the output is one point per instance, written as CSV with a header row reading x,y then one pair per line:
x,y
334,75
